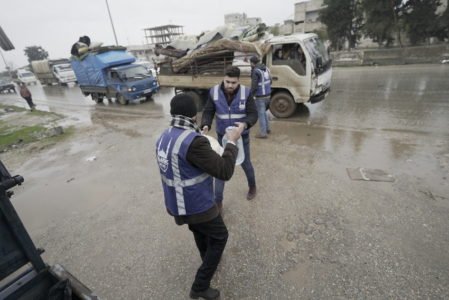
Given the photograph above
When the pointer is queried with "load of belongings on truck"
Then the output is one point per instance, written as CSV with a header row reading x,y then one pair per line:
x,y
212,52
84,46
88,60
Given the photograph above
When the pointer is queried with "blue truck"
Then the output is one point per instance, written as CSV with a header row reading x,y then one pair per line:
x,y
113,74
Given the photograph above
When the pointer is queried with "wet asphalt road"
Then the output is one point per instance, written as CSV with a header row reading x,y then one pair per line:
x,y
311,233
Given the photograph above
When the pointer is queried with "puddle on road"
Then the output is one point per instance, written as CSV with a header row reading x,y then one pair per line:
x,y
333,150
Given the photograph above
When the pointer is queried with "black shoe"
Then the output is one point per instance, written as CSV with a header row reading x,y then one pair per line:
x,y
208,294
251,193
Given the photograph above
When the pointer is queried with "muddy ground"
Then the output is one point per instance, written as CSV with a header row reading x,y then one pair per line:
x,y
94,202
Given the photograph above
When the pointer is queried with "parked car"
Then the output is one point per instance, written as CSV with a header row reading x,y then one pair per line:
x,y
7,87
26,76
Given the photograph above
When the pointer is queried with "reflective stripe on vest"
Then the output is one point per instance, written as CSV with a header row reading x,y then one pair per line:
x,y
232,116
228,113
177,182
264,81
187,182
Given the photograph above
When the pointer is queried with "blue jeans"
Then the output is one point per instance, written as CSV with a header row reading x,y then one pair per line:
x,y
264,124
246,165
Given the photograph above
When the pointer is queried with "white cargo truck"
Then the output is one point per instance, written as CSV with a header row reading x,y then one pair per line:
x,y
53,71
297,78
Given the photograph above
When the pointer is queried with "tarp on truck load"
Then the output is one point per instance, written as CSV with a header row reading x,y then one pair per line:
x,y
89,70
219,48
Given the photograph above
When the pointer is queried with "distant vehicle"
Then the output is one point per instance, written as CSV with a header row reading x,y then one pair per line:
x,y
6,86
26,76
296,79
53,71
111,73
148,66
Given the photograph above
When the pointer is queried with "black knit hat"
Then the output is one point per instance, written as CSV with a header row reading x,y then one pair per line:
x,y
183,104
254,59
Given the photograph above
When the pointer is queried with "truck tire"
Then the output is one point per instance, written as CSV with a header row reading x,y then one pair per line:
x,y
282,105
121,99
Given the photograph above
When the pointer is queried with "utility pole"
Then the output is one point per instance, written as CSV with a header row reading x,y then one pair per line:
x,y
112,24
6,65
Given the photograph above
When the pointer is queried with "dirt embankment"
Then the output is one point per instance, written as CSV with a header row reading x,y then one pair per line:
x,y
23,132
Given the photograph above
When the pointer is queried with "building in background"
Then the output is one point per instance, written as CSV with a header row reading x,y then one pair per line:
x,y
307,16
241,20
162,35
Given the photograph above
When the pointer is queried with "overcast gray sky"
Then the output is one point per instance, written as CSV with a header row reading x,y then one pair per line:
x,y
57,24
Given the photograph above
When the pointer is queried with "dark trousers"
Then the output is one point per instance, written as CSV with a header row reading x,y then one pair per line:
x,y
29,101
210,238
247,167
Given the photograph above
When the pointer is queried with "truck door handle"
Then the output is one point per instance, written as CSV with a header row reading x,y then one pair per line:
x,y
274,78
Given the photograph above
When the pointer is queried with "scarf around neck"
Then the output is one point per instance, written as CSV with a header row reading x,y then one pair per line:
x,y
184,122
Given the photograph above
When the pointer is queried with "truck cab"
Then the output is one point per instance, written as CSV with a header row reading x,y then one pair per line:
x,y
301,71
64,73
132,82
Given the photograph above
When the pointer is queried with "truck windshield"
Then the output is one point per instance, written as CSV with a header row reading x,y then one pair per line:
x,y
317,50
64,68
135,72
29,74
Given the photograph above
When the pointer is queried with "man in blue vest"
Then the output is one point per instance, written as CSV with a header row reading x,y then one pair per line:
x,y
231,104
187,164
261,90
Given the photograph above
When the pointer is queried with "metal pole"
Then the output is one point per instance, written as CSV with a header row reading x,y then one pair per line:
x,y
112,24
6,65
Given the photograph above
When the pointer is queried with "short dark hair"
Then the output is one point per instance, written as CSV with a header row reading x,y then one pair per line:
x,y
233,72
254,59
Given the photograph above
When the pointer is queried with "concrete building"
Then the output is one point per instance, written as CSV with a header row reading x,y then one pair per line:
x,y
162,35
307,16
287,28
241,20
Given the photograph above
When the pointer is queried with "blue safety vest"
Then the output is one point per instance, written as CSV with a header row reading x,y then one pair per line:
x,y
264,84
187,189
227,115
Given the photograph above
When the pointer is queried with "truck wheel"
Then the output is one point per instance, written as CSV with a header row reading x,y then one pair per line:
x,y
99,99
122,100
282,105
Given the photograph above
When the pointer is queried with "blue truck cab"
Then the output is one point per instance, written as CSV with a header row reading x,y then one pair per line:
x,y
113,74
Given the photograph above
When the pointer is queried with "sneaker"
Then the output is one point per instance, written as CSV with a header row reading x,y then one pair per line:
x,y
268,131
259,136
208,294
252,192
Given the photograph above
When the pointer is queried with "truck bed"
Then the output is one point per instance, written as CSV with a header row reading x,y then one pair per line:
x,y
195,82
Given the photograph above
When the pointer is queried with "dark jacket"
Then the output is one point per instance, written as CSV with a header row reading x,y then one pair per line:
x,y
209,110
201,155
24,92
255,78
